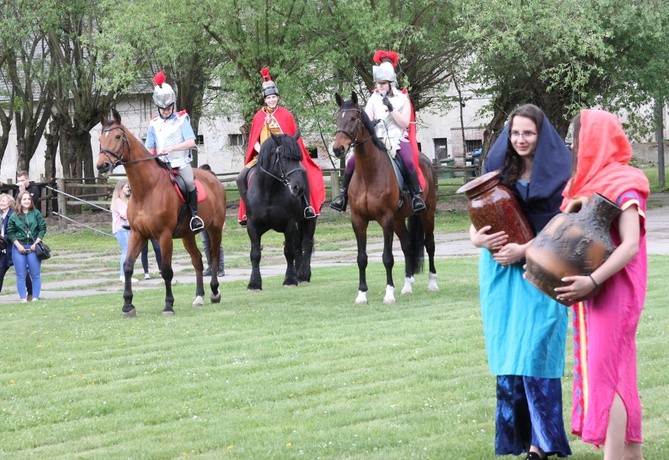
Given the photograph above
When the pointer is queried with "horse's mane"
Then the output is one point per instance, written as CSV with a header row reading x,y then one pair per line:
x,y
287,149
367,123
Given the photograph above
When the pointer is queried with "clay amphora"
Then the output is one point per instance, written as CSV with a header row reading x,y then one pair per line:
x,y
491,203
575,243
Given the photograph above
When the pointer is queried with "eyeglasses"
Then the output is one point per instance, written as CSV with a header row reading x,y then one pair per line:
x,y
523,134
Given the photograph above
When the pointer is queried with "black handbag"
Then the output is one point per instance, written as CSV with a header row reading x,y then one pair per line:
x,y
4,243
42,251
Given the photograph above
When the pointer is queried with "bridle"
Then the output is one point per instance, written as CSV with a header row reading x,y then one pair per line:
x,y
116,158
356,129
283,177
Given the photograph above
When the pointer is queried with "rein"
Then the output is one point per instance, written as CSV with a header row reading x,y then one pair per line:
x,y
125,146
284,176
356,129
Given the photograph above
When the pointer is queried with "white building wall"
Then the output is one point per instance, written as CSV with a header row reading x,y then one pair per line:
x,y
225,158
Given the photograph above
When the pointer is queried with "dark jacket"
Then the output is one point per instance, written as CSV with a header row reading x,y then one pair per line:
x,y
33,189
6,254
27,229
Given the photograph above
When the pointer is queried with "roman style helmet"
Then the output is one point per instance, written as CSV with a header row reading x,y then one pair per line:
x,y
268,86
385,70
163,94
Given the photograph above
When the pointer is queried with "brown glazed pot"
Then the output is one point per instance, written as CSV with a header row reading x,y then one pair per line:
x,y
491,203
572,244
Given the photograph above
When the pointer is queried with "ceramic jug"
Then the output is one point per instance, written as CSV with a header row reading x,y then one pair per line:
x,y
575,243
492,203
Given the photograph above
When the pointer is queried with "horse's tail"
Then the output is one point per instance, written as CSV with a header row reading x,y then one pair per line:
x,y
417,236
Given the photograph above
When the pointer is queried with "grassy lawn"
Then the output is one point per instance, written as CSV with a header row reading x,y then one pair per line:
x,y
283,373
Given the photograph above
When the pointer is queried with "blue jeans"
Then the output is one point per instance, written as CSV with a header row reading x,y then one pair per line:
x,y
122,237
24,263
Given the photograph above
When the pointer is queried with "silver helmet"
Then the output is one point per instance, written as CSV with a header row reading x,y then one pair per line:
x,y
163,94
384,72
268,85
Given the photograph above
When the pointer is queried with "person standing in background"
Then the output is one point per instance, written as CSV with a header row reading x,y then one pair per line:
x,y
119,211
25,184
26,228
6,211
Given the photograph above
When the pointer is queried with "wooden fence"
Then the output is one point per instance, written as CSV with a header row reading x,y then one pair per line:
x,y
73,196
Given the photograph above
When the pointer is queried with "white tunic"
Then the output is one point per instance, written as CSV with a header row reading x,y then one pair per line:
x,y
388,130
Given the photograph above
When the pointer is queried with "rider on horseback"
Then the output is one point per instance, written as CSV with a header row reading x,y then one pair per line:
x,y
274,119
171,136
391,110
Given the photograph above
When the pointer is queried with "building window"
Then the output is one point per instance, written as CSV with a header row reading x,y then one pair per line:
x,y
200,139
441,148
473,144
235,140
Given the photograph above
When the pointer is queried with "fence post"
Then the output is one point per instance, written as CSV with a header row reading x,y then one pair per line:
x,y
334,184
62,199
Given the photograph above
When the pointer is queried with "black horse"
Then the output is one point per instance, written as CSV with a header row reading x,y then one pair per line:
x,y
272,192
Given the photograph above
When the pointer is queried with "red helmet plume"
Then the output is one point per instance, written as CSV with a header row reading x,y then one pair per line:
x,y
381,55
159,78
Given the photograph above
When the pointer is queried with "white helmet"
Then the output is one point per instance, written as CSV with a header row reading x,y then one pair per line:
x,y
384,72
163,94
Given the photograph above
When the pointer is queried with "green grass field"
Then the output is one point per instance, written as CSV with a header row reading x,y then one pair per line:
x,y
283,373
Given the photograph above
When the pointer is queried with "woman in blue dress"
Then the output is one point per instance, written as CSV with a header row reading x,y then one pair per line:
x,y
525,330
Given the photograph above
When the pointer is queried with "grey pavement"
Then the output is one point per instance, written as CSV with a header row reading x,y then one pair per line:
x,y
80,280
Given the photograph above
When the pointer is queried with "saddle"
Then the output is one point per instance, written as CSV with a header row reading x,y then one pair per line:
x,y
180,184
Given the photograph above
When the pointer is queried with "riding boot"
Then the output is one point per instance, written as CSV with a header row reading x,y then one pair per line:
x,y
417,203
196,224
309,212
339,202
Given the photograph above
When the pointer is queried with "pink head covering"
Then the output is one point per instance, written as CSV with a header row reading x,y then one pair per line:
x,y
601,165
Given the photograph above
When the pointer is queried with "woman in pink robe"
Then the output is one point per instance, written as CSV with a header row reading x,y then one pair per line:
x,y
606,408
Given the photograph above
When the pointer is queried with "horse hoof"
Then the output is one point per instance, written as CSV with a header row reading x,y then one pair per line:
x,y
361,299
198,302
130,313
432,287
289,285
168,313
215,298
389,301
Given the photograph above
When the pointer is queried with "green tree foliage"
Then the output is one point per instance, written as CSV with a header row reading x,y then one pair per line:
x,y
566,55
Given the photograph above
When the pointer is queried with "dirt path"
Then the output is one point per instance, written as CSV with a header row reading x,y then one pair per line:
x,y
70,274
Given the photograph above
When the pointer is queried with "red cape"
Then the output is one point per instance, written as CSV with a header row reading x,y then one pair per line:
x,y
288,126
414,143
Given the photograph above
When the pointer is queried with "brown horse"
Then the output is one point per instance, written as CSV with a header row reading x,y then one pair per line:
x,y
374,194
156,211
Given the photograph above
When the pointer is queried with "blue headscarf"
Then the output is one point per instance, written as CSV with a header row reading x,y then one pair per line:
x,y
551,169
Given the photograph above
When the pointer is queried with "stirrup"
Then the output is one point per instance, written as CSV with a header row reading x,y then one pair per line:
x,y
309,213
196,224
418,204
338,203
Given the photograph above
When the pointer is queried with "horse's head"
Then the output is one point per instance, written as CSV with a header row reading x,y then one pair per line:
x,y
280,157
349,124
113,143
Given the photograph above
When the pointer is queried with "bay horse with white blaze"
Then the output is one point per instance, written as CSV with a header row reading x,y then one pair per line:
x,y
374,195
272,192
156,211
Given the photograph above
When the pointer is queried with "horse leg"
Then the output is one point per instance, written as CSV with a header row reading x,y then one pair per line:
x,y
255,236
360,230
166,248
135,245
306,232
405,243
196,261
289,250
388,262
428,227
215,250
